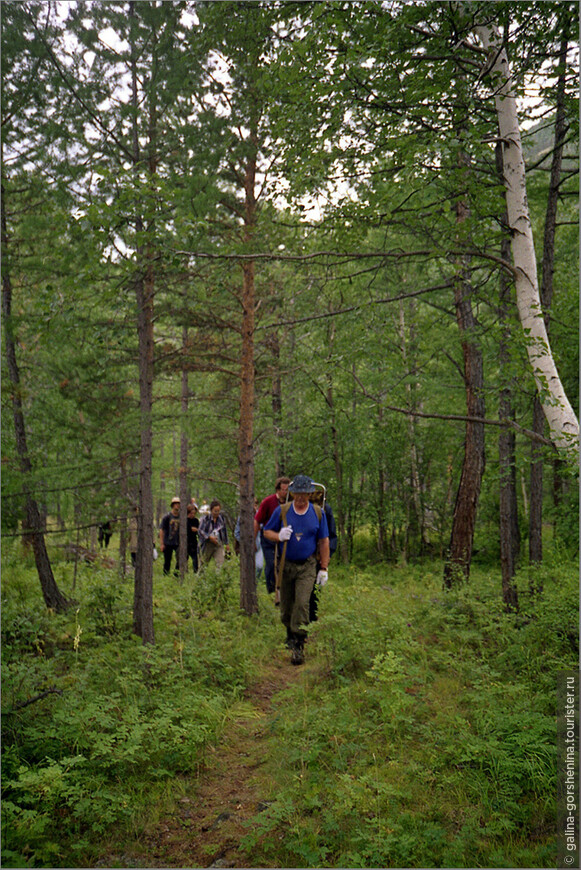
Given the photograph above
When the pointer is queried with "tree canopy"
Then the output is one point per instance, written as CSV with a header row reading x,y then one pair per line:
x,y
279,234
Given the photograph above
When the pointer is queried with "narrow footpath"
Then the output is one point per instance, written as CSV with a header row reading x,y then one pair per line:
x,y
234,785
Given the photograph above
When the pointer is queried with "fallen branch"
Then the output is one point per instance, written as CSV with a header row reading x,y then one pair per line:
x,y
23,704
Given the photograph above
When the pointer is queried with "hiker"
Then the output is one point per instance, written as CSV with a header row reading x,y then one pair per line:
x,y
265,510
314,599
214,536
104,534
169,537
193,527
302,529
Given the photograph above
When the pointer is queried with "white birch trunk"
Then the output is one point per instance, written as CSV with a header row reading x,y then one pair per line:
x,y
561,418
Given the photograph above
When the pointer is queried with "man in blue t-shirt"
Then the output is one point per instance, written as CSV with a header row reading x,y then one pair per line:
x,y
304,537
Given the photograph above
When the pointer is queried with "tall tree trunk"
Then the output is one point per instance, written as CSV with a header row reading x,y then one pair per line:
x,y
183,548
464,520
53,597
339,508
508,506
248,592
536,488
558,484
459,555
536,483
381,487
144,294
143,589
279,442
415,524
509,528
563,423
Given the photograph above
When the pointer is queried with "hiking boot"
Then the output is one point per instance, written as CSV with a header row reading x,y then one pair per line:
x,y
298,652
298,656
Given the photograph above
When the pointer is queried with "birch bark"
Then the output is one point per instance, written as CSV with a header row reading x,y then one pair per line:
x,y
563,423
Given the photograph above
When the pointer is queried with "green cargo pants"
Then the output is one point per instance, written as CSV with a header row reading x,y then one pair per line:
x,y
295,592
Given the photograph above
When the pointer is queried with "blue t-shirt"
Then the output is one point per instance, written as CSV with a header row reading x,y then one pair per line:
x,y
306,531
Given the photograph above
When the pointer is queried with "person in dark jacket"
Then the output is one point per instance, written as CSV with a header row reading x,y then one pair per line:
x,y
193,527
169,537
314,600
104,535
214,536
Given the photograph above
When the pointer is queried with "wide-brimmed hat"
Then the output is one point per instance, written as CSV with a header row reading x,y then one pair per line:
x,y
175,500
302,483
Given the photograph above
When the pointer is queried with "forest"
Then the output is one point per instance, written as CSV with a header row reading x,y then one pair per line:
x,y
253,238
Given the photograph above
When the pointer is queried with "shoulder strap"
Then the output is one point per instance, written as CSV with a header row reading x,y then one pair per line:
x,y
284,511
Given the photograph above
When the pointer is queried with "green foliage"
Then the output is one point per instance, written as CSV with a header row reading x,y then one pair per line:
x,y
379,341
411,686
94,724
210,592
421,733
426,736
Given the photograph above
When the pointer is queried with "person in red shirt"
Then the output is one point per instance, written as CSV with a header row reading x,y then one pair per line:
x,y
265,510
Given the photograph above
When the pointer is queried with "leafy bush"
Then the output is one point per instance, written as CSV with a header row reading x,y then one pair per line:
x,y
426,738
93,721
421,733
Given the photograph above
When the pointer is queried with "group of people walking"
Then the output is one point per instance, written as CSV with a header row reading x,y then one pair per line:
x,y
298,539
294,538
209,534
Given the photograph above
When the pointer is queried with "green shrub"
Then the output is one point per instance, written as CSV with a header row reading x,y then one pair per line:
x,y
421,732
424,738
93,720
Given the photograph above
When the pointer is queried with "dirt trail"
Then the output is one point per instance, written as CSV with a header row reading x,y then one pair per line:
x,y
207,825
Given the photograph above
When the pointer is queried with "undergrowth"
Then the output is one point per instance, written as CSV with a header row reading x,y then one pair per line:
x,y
426,735
422,731
94,724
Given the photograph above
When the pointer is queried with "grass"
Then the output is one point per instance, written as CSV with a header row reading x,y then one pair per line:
x,y
426,737
421,732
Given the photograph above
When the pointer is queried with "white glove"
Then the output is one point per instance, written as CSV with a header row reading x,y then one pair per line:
x,y
322,578
285,533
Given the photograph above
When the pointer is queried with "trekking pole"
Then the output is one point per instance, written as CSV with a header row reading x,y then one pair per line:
x,y
278,574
